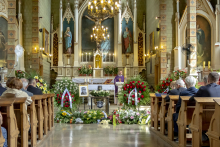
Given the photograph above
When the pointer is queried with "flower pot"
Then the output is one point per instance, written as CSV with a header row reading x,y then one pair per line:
x,y
106,74
115,74
84,74
80,74
110,74
90,74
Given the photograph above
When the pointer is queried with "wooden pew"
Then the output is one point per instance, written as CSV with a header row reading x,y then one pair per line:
x,y
163,111
214,127
10,123
171,109
152,96
33,121
45,113
157,104
40,116
52,110
205,107
184,119
22,119
2,139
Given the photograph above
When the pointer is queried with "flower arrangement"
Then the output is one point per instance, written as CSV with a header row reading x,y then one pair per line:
x,y
106,70
115,71
179,74
20,74
131,116
164,84
41,84
90,70
84,70
92,116
142,92
58,89
100,93
63,116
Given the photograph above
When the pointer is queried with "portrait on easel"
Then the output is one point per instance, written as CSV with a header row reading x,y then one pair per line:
x,y
83,91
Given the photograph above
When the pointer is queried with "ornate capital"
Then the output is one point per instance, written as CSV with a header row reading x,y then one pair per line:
x,y
76,4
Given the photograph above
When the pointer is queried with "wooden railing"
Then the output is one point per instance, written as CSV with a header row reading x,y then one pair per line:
x,y
17,119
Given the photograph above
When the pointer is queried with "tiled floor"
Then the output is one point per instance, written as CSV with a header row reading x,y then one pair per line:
x,y
94,135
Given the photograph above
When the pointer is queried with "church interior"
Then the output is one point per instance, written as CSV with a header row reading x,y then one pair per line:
x,y
94,73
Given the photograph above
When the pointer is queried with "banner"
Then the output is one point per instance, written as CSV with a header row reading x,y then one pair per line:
x,y
135,98
70,98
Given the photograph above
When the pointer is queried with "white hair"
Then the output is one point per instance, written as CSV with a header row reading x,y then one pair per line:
x,y
25,82
190,81
180,82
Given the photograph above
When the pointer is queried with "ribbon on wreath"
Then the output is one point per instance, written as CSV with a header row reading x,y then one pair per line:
x,y
135,98
70,98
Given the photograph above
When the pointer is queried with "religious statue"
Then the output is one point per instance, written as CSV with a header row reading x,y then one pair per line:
x,y
118,78
200,41
98,61
127,40
68,40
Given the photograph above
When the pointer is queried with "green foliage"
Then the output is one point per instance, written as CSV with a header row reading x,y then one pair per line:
x,y
63,116
179,74
32,74
142,92
20,74
92,116
100,93
106,70
116,70
58,89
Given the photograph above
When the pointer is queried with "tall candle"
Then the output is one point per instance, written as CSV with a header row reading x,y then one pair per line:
x,y
109,57
86,57
113,57
89,56
82,57
209,65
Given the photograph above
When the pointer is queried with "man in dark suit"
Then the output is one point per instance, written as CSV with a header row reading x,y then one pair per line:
x,y
190,82
180,87
2,89
32,87
210,90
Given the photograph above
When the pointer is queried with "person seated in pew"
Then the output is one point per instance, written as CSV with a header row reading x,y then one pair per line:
x,y
210,90
25,84
13,86
179,88
190,82
4,131
2,89
32,87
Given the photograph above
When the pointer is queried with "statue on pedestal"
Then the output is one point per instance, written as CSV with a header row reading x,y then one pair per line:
x,y
68,40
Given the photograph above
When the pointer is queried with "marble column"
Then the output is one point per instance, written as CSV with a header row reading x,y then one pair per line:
x,y
21,60
177,49
119,54
60,47
217,44
135,63
191,35
76,33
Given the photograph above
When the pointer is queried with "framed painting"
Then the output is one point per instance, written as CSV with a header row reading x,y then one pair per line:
x,y
83,91
151,37
46,41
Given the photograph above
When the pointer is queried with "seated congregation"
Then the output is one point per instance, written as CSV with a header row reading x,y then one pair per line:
x,y
26,114
188,116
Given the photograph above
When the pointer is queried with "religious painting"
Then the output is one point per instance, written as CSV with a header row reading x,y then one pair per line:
x,y
68,36
151,37
127,36
3,41
203,34
87,25
83,91
46,41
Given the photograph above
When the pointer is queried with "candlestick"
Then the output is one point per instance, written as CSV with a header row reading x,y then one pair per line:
x,y
113,58
203,65
109,57
86,57
209,65
89,56
82,57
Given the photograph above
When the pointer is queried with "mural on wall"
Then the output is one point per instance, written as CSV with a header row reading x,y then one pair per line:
x,y
68,36
3,41
203,34
127,36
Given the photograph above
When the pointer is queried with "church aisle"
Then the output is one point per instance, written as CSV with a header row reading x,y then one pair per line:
x,y
93,135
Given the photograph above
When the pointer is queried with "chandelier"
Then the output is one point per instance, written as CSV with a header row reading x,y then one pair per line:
x,y
102,9
100,34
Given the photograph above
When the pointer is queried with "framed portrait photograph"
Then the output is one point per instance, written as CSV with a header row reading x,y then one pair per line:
x,y
83,91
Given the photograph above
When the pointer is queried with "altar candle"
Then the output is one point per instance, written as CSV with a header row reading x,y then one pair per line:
x,y
109,57
86,57
82,57
209,64
203,64
89,56
113,58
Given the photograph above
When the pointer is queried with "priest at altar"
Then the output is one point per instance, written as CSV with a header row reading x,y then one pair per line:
x,y
118,78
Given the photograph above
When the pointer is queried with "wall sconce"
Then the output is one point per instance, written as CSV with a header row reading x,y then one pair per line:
x,y
158,29
157,17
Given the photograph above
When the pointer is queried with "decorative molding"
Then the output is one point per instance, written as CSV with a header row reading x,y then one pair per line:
x,y
4,8
200,6
127,14
68,14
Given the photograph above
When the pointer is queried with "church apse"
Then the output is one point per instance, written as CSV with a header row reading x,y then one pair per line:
x,y
203,34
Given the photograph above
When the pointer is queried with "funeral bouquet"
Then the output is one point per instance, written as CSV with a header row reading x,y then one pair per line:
x,y
63,116
92,116
71,94
165,84
101,93
41,84
20,74
131,116
134,93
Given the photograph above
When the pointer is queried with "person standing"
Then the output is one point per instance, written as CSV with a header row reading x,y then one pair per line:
x,y
118,78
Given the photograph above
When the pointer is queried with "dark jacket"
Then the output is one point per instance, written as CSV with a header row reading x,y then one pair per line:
x,y
188,92
29,93
174,92
2,89
34,90
210,90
